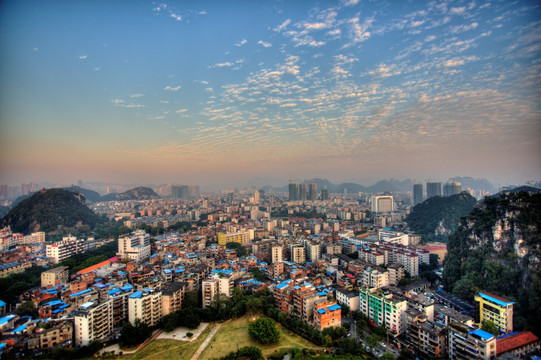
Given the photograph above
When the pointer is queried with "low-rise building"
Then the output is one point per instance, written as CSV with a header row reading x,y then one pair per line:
x,y
55,276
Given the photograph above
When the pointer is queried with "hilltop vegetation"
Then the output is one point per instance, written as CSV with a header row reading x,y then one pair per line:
x,y
52,210
497,249
438,217
138,193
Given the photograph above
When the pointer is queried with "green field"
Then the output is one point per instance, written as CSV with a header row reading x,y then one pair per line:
x,y
233,334
170,349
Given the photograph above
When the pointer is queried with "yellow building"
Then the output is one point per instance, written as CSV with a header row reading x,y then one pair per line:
x,y
240,237
497,310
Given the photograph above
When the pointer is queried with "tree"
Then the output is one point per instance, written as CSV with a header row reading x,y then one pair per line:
x,y
373,340
26,308
490,327
405,354
264,330
387,356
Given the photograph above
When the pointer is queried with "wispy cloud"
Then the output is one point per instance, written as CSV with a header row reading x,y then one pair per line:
x,y
172,88
83,57
264,44
241,43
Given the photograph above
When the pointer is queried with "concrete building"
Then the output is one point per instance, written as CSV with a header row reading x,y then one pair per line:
x,y
276,254
496,309
375,278
382,204
384,309
433,189
54,276
313,250
172,297
218,282
145,305
297,254
452,188
472,344
348,298
241,237
327,314
302,192
135,246
312,191
429,338
417,194
93,321
69,246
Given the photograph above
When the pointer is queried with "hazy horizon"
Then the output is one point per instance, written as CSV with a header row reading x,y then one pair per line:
x,y
226,93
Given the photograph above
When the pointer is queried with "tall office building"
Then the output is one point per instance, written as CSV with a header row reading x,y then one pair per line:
x,y
312,191
452,188
302,192
293,192
325,194
433,189
417,194
382,204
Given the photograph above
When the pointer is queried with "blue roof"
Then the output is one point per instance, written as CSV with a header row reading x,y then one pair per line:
x,y
80,293
55,302
20,328
114,291
321,311
57,311
100,286
136,295
322,293
334,307
2,345
497,301
127,287
6,318
167,271
482,334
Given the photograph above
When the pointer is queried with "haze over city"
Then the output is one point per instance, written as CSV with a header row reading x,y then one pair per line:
x,y
211,92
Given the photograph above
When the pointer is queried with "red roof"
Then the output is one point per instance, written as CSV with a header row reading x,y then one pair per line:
x,y
511,342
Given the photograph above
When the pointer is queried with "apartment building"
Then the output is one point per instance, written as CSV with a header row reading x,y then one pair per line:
x,y
347,298
135,246
120,298
61,333
145,305
297,254
69,246
429,338
242,237
55,276
466,344
327,314
496,309
218,282
375,278
384,309
93,321
173,296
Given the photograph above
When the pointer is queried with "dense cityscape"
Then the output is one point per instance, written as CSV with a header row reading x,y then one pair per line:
x,y
270,180
331,260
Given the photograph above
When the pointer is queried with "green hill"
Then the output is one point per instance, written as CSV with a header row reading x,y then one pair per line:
x,y
89,195
438,217
138,193
497,249
52,210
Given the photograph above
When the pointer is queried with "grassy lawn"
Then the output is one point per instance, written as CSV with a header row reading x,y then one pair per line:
x,y
234,333
170,349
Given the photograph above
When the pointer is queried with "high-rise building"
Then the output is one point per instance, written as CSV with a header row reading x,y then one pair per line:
x,y
313,251
452,188
93,321
417,194
312,192
496,309
325,194
384,309
276,255
433,189
382,204
146,306
135,246
302,191
293,192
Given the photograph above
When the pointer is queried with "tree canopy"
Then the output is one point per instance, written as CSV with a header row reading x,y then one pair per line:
x,y
264,331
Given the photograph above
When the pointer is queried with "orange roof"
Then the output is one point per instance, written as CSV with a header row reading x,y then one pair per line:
x,y
511,342
97,266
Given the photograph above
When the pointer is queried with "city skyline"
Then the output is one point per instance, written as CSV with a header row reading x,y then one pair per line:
x,y
211,92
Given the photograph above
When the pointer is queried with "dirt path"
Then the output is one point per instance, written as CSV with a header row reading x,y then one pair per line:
x,y
205,343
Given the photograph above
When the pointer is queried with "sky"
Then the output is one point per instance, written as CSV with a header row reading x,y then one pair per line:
x,y
210,92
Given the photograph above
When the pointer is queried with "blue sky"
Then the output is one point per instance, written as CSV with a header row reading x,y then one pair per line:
x,y
216,91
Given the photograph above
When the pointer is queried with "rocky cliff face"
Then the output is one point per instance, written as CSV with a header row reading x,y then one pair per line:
x,y
497,248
